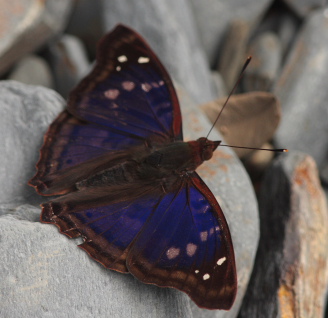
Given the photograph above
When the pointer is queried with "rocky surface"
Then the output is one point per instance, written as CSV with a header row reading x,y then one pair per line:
x,y
26,25
33,70
25,113
291,264
47,254
302,91
192,38
69,63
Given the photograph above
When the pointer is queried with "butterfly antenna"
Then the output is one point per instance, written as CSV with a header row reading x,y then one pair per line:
x,y
226,102
231,92
267,149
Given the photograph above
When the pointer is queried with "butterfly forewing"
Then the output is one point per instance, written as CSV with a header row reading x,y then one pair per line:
x,y
179,239
126,100
129,90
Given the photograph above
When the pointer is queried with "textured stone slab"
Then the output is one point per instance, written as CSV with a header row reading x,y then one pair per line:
x,y
214,17
56,274
27,24
266,52
33,70
302,90
45,275
69,63
25,114
290,276
304,7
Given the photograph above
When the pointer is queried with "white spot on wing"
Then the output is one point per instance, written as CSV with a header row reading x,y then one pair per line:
x,y
172,252
143,59
122,58
191,249
112,93
118,68
206,276
146,87
196,271
221,261
128,85
203,236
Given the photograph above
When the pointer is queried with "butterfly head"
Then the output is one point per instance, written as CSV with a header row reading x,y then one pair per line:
x,y
207,147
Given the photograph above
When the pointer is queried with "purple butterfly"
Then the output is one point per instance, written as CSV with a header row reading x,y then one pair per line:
x,y
127,180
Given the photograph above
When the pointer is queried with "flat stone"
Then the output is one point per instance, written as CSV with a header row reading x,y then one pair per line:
x,y
25,113
171,32
86,23
48,276
290,276
214,17
304,7
28,24
266,52
69,63
32,70
303,94
86,289
233,52
221,89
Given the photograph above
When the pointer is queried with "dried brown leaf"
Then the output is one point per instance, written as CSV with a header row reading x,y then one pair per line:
x,y
248,120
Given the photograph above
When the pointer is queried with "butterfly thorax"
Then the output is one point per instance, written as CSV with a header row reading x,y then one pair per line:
x,y
178,157
154,163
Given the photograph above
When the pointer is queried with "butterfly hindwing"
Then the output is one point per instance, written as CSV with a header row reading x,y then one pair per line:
x,y
179,239
186,244
108,224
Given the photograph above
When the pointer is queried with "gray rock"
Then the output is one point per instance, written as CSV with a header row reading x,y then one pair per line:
x,y
32,70
266,52
233,52
26,25
287,27
213,18
25,114
86,23
290,277
69,63
169,28
304,7
45,275
221,89
303,94
56,278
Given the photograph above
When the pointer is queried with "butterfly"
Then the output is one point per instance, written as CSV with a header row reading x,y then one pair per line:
x,y
126,180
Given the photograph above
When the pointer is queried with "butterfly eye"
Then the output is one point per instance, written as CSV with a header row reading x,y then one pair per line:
x,y
207,153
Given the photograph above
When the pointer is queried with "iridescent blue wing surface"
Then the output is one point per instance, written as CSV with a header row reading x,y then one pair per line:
x,y
179,239
186,244
128,99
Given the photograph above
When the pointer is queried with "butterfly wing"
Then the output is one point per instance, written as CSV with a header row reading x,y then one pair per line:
x,y
179,239
186,244
127,100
